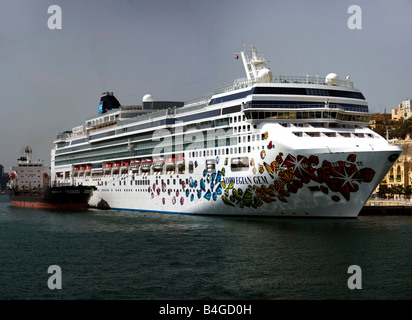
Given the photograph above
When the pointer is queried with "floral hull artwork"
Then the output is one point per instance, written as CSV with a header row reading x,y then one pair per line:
x,y
269,181
275,178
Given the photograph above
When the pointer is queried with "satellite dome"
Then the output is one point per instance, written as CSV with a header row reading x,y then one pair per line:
x,y
148,98
265,74
332,79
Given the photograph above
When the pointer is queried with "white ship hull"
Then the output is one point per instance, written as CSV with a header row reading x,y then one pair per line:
x,y
321,182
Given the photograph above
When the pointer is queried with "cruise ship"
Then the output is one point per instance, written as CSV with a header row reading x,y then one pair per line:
x,y
284,146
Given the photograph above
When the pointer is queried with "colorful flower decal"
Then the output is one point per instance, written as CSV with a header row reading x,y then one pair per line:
x,y
340,177
207,195
214,196
292,173
288,174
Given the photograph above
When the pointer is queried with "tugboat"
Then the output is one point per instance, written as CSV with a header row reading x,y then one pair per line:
x,y
29,187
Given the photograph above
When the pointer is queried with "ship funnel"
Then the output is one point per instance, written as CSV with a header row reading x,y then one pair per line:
x,y
108,102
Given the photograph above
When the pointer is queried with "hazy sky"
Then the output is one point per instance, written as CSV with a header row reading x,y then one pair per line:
x,y
51,80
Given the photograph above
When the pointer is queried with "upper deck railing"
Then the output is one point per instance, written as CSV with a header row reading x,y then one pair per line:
x,y
243,83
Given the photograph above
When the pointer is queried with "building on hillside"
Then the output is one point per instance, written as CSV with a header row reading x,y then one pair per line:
x,y
401,172
403,111
383,124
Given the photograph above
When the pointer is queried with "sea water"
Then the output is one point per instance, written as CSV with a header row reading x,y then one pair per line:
x,y
108,254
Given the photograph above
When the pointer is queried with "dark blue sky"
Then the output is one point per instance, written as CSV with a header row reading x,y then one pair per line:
x,y
51,80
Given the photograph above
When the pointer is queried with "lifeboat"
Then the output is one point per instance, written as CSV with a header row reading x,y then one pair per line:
x,y
146,164
159,163
136,163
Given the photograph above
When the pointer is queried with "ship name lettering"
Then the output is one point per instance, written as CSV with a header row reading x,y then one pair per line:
x,y
246,180
238,180
260,180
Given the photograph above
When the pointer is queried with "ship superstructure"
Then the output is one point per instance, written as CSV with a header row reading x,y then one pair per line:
x,y
264,146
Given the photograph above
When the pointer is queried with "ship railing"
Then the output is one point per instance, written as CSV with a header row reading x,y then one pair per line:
x,y
310,80
195,104
152,115
244,83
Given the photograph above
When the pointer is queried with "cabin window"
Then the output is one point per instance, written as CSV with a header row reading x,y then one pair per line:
x,y
191,167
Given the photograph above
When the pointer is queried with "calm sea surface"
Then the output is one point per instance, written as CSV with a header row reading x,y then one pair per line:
x,y
132,255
